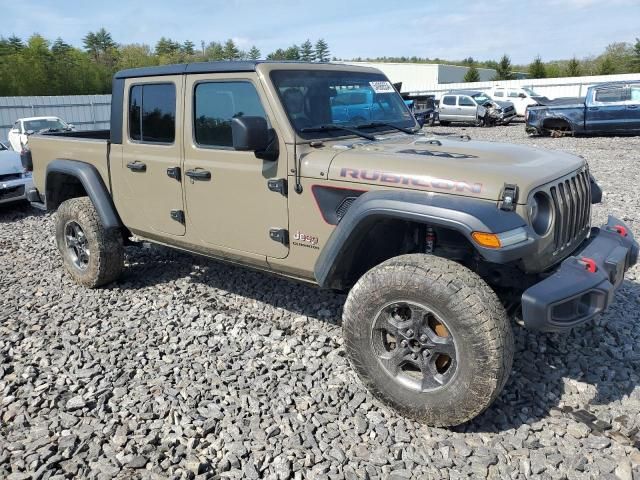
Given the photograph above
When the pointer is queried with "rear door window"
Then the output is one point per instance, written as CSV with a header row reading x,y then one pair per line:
x,y
152,113
612,94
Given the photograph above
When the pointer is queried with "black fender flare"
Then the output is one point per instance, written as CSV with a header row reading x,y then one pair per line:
x,y
93,184
462,214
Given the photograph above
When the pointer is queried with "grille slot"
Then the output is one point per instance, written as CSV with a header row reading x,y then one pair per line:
x,y
571,199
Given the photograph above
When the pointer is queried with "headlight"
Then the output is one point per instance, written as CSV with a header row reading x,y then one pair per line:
x,y
540,213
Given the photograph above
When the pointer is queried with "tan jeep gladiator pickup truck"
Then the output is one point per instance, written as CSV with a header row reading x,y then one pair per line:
x,y
319,172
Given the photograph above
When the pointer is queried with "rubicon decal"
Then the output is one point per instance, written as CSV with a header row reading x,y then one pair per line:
x,y
419,181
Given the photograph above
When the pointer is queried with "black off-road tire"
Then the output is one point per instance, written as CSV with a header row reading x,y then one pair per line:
x,y
473,315
105,260
444,123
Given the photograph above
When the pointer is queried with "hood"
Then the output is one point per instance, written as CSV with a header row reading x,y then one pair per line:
x,y
449,165
10,162
503,104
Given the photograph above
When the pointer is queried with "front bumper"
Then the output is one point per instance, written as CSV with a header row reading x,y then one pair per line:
x,y
584,285
14,190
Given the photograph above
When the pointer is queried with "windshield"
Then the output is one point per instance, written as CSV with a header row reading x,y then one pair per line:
x,y
481,98
315,98
45,124
531,92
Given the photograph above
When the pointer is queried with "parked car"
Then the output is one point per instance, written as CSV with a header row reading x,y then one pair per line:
x,y
360,105
607,108
468,106
15,180
423,108
19,133
521,97
429,237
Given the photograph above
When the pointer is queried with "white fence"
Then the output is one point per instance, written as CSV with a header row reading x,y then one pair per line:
x,y
86,112
548,87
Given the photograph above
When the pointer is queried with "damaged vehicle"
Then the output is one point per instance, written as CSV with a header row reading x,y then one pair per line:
x,y
436,241
611,108
15,180
24,127
470,106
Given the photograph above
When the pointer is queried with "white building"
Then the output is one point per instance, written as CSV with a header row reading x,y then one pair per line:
x,y
417,77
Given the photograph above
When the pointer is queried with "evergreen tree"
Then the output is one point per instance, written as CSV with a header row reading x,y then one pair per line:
x,y
214,51
636,56
322,51
307,53
537,68
504,69
167,47
279,54
188,48
573,68
606,66
469,61
472,75
231,52
292,53
254,53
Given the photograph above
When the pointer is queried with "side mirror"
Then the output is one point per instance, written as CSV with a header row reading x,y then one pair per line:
x,y
250,134
522,95
30,132
71,126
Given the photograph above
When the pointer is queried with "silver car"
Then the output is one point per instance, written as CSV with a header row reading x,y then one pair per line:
x,y
469,106
15,181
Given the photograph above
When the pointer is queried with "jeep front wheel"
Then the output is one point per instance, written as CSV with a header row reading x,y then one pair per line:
x,y
91,254
428,337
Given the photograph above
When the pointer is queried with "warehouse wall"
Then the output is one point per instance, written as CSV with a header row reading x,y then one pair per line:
x,y
454,73
86,112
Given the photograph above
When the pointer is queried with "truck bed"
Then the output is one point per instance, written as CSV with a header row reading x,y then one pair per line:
x,y
88,146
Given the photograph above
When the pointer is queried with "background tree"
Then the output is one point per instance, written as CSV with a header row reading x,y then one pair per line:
x,y
636,56
606,66
573,68
292,53
231,52
279,54
188,48
254,53
214,52
469,61
307,53
472,75
537,68
504,70
322,51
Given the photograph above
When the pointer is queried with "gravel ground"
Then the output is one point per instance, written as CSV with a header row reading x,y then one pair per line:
x,y
190,368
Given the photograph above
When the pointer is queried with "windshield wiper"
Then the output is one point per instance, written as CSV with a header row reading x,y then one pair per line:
x,y
332,126
410,131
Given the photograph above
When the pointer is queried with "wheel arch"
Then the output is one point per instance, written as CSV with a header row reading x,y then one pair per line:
x,y
382,208
67,179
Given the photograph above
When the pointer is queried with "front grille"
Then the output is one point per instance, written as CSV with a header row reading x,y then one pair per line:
x,y
572,207
10,176
508,109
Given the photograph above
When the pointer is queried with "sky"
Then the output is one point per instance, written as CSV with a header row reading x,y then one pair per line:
x,y
451,29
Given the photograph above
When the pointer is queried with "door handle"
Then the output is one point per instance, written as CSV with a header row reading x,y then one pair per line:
x,y
137,166
632,107
593,109
198,174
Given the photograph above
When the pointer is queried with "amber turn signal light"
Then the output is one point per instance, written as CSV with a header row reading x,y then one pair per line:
x,y
488,240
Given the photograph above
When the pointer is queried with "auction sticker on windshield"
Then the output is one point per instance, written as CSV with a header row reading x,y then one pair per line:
x,y
382,87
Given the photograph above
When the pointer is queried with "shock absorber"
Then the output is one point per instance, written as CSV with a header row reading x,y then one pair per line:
x,y
430,240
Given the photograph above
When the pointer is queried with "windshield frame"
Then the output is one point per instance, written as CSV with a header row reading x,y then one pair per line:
x,y
328,134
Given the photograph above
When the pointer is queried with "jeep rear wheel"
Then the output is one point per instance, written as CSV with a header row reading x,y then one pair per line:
x,y
92,255
428,337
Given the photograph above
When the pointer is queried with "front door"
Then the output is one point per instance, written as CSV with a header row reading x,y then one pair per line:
x,y
467,109
229,204
151,151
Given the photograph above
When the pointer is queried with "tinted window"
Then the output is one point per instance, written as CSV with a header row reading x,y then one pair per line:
x,y
449,100
216,103
466,102
619,94
152,113
498,94
513,93
635,93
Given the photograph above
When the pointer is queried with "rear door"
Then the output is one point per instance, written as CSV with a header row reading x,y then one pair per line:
x,y
467,109
448,108
607,110
151,200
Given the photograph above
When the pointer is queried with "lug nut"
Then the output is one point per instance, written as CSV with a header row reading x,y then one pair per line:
x,y
409,333
415,356
404,343
426,353
423,338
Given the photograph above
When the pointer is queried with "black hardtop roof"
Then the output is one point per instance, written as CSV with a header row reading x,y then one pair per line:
x,y
225,66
